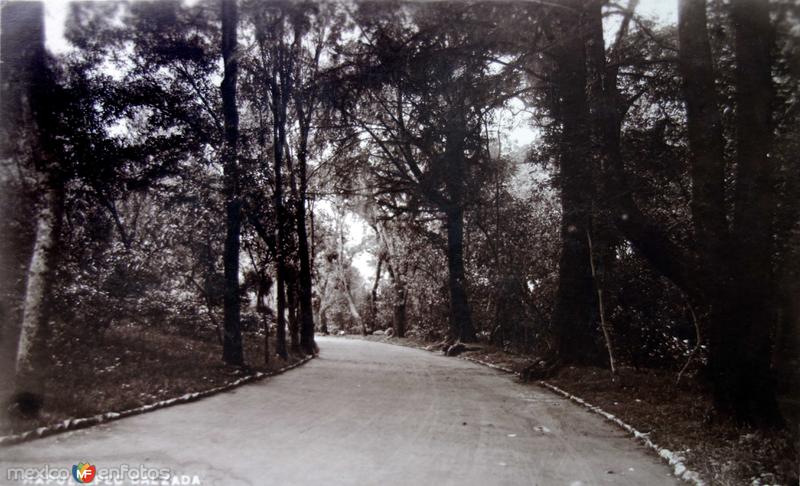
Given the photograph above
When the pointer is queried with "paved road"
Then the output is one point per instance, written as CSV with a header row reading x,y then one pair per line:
x,y
365,413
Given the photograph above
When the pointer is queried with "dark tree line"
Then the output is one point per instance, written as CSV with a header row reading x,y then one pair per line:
x,y
654,217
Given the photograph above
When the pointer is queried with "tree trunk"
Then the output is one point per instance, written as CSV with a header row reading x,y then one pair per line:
x,y
740,366
232,347
262,309
705,135
398,286
279,84
351,303
323,322
291,300
305,107
738,314
461,327
280,264
572,319
31,355
607,111
25,76
306,284
373,296
280,321
399,314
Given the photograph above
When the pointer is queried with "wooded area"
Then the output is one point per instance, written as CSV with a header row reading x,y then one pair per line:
x,y
200,166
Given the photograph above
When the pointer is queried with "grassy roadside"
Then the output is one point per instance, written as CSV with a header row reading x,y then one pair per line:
x,y
135,366
674,415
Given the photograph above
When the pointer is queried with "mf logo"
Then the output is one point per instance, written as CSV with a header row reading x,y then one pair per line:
x,y
84,472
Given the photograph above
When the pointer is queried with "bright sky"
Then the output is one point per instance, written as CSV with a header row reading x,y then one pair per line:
x,y
56,12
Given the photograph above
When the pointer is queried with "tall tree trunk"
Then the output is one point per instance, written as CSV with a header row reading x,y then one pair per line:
x,y
306,291
572,320
607,110
280,85
705,134
461,326
304,283
232,347
26,80
744,364
280,250
738,359
707,174
31,355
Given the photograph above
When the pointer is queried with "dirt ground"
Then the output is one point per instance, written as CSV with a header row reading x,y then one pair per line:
x,y
134,366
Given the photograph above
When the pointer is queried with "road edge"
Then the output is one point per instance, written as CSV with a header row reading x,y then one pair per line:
x,y
85,422
674,460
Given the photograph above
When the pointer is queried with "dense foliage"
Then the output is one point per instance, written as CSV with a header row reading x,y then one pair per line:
x,y
373,179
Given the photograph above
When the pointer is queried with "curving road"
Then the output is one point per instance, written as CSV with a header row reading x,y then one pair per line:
x,y
364,413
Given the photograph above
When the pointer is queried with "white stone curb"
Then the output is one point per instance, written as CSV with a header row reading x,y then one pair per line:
x,y
80,423
676,461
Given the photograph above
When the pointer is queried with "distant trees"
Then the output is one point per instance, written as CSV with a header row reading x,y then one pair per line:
x,y
421,94
293,43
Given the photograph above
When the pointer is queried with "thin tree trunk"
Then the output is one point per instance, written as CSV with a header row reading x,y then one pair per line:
x,y
210,310
351,304
291,300
323,321
373,302
280,257
232,352
398,287
261,307
601,309
280,324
